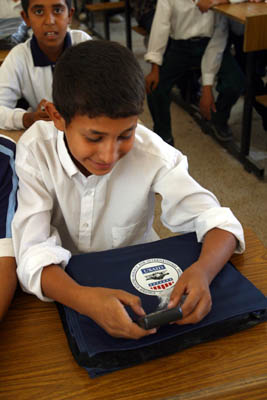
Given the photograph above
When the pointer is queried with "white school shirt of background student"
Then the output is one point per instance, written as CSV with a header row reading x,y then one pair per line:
x,y
20,78
183,20
62,212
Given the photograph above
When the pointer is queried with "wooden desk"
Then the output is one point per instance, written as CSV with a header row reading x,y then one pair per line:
x,y
254,18
3,54
36,363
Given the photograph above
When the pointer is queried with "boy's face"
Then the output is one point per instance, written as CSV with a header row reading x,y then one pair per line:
x,y
96,144
49,21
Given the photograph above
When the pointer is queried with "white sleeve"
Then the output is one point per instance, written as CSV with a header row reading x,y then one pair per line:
x,y
212,57
10,93
36,243
160,32
188,207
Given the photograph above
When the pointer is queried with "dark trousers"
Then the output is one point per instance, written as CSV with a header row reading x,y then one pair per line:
x,y
179,58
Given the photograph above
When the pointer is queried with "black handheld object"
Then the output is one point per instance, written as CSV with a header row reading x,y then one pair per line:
x,y
160,318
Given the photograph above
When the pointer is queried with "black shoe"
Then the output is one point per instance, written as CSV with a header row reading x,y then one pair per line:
x,y
222,132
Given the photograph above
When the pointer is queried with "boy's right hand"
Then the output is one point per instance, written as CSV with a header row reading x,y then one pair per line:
x,y
106,308
40,114
152,79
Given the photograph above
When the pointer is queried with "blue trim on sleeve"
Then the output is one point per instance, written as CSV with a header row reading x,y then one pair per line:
x,y
12,199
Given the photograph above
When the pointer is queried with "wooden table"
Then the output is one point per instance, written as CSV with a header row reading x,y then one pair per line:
x,y
36,363
3,54
254,18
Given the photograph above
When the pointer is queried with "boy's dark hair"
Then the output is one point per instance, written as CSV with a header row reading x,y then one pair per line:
x,y
25,5
98,78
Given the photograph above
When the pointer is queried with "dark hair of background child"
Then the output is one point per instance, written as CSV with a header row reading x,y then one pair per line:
x,y
98,78
25,5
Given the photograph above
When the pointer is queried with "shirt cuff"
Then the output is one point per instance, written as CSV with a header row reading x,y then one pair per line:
x,y
18,118
30,269
221,218
208,79
153,58
6,248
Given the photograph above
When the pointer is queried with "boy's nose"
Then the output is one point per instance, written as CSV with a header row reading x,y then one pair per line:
x,y
49,18
109,152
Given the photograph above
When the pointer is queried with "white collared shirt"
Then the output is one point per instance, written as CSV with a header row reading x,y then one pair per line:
x,y
62,212
181,20
20,78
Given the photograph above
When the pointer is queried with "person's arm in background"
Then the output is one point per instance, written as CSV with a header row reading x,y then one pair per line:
x,y
205,5
158,41
8,189
210,64
8,283
11,83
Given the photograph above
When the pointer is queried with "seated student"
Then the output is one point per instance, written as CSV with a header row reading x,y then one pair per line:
x,y
88,182
236,38
27,71
8,189
144,11
182,38
13,29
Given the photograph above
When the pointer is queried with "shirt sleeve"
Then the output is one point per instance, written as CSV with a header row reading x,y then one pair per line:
x,y
10,92
160,32
36,243
8,190
191,208
212,57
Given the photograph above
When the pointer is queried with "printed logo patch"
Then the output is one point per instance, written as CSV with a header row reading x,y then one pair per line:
x,y
155,275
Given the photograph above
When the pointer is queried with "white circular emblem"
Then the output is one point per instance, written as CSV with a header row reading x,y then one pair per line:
x,y
155,275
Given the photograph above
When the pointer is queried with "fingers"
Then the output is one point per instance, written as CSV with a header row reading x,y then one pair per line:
x,y
195,308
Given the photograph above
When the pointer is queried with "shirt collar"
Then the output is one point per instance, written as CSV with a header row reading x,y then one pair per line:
x,y
65,159
39,58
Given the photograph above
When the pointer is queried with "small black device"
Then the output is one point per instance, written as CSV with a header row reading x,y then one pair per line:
x,y
159,318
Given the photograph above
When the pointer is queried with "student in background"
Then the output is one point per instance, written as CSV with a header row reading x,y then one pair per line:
x,y
27,71
13,29
236,38
8,189
88,182
143,11
182,38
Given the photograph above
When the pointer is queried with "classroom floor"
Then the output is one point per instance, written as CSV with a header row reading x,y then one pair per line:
x,y
209,163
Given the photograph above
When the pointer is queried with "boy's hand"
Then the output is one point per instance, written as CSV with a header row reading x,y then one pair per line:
x,y
194,283
206,103
152,79
106,308
39,114
205,5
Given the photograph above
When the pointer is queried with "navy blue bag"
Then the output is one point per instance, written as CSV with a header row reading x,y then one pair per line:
x,y
237,303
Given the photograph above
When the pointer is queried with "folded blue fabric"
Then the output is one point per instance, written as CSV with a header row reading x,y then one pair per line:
x,y
237,304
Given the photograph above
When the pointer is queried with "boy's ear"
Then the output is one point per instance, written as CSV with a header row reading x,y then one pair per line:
x,y
71,13
25,18
55,116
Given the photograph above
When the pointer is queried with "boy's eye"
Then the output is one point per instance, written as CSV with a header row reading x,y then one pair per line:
x,y
94,140
126,137
38,11
58,10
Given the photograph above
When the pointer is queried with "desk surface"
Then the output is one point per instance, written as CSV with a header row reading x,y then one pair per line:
x,y
254,17
36,363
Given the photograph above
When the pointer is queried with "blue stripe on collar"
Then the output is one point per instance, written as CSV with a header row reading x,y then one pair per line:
x,y
39,58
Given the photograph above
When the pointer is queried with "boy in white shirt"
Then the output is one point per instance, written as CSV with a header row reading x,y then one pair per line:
x,y
88,182
27,71
182,38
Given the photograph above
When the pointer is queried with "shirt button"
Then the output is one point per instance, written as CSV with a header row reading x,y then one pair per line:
x,y
85,225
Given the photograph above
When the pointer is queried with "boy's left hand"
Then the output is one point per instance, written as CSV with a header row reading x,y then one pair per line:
x,y
194,283
206,104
